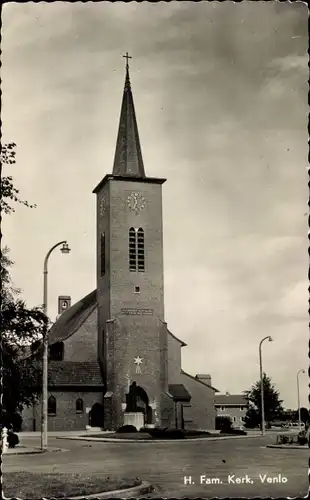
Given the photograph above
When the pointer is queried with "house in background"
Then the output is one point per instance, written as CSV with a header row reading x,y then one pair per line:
x,y
234,406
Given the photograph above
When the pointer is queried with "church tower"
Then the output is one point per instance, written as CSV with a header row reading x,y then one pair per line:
x,y
132,333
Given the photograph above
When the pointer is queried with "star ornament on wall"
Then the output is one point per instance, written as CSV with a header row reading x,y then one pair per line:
x,y
137,362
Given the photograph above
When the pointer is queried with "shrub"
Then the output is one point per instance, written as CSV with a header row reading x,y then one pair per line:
x,y
302,438
126,428
13,440
282,439
193,432
235,432
166,433
223,424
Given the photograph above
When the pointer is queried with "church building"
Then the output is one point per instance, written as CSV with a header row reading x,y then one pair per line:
x,y
112,352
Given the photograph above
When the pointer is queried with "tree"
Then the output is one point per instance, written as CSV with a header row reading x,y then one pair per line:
x,y
21,373
252,418
20,326
272,403
8,193
304,415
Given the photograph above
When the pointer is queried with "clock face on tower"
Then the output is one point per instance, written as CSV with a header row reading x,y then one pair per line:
x,y
136,202
103,205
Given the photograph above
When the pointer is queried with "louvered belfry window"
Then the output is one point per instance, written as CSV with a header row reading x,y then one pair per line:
x,y
140,249
132,250
136,250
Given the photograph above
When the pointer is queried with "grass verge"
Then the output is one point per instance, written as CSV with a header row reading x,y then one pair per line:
x,y
144,435
57,485
127,435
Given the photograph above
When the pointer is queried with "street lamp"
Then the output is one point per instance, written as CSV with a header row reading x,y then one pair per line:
x,y
64,249
262,383
298,397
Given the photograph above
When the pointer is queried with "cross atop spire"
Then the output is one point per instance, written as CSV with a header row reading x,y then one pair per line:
x,y
128,157
127,79
127,57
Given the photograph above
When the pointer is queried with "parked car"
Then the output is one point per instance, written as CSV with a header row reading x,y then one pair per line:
x,y
238,427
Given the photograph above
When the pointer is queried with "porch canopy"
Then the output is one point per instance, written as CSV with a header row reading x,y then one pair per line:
x,y
179,393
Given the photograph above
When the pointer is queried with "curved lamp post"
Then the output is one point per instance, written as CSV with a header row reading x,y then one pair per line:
x,y
262,383
64,249
298,396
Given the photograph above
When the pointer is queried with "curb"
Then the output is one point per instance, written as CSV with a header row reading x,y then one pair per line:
x,y
133,492
117,440
288,446
34,451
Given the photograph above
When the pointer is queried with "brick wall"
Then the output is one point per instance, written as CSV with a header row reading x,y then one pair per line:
x,y
202,409
236,413
201,413
82,345
66,417
174,357
116,288
128,338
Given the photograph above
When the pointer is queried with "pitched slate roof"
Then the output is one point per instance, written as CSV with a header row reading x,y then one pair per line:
x,y
176,338
199,381
73,373
73,318
128,157
179,392
230,399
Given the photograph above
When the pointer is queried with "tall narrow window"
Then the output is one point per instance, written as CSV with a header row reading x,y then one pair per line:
x,y
79,406
132,250
141,264
102,254
51,405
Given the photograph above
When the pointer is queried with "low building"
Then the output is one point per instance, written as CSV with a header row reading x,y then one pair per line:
x,y
233,406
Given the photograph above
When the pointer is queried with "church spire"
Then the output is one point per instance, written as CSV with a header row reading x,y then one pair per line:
x,y
128,160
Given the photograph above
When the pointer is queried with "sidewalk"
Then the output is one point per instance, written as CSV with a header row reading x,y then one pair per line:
x,y
36,434
289,446
29,450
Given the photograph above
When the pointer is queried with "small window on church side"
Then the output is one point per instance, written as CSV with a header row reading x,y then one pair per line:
x,y
51,406
141,260
102,254
56,351
79,405
132,250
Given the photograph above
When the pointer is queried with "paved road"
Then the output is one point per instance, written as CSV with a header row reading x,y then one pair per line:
x,y
166,464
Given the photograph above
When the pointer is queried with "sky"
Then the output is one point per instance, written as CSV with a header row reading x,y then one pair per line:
x,y
220,91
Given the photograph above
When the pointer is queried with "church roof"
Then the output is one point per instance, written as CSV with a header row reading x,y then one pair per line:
x,y
230,399
72,373
176,338
199,381
71,320
128,159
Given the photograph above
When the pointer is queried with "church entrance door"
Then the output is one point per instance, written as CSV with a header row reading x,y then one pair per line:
x,y
138,401
96,416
